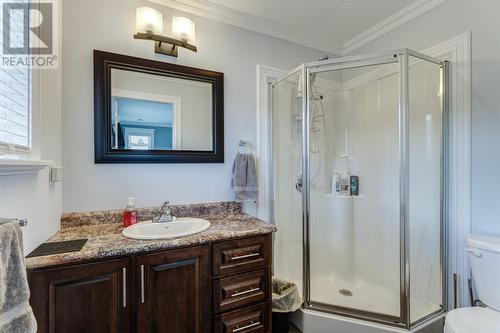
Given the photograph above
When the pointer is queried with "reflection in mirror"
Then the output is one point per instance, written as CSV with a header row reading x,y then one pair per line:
x,y
155,112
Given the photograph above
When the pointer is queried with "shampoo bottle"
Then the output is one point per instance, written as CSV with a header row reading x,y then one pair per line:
x,y
336,183
130,213
354,185
345,186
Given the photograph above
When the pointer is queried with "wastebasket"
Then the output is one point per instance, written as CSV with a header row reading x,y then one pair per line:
x,y
286,299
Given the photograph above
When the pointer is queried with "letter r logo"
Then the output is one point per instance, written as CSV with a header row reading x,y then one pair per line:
x,y
34,35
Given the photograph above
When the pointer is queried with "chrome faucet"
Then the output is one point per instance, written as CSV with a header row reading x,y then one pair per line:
x,y
165,214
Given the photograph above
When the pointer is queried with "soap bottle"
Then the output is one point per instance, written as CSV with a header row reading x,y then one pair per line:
x,y
336,183
345,186
354,186
130,213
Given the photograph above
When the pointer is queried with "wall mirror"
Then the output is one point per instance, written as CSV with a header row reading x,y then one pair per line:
x,y
154,112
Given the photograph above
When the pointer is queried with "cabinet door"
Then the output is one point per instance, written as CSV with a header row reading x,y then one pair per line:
x,y
174,291
82,298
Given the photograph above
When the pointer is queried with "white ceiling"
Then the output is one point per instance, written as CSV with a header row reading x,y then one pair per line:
x,y
333,20
335,26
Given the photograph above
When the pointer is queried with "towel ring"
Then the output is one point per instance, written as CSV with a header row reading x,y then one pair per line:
x,y
245,147
22,222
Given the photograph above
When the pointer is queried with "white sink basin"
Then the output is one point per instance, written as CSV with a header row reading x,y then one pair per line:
x,y
183,226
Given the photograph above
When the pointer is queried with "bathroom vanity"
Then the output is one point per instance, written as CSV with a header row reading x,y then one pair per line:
x,y
215,281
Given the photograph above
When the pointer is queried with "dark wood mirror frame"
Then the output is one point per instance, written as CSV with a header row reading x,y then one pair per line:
x,y
104,62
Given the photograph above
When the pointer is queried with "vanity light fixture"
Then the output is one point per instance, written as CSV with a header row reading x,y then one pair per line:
x,y
150,27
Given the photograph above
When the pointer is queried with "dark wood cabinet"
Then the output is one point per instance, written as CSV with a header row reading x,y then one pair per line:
x,y
83,298
242,285
219,287
174,291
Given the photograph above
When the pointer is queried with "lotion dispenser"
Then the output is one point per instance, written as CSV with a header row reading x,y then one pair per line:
x,y
130,213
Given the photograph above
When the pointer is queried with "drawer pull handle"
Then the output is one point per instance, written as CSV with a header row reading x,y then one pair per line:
x,y
251,255
142,284
239,329
244,292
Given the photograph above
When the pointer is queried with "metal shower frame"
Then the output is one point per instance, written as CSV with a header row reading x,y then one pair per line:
x,y
402,57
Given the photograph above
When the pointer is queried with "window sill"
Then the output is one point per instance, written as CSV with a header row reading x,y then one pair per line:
x,y
9,167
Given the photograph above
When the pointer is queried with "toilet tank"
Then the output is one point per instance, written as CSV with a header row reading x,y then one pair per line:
x,y
484,258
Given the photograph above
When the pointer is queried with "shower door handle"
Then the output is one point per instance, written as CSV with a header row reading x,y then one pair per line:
x,y
298,184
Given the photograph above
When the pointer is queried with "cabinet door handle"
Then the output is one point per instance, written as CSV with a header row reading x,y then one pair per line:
x,y
142,284
245,292
239,329
245,256
124,276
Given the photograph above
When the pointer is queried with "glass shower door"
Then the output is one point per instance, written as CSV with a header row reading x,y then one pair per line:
x,y
362,233
425,177
354,198
287,134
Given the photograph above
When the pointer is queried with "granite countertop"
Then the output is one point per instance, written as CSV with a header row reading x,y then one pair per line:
x,y
105,239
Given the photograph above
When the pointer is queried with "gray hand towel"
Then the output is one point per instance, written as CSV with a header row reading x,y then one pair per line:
x,y
244,180
16,314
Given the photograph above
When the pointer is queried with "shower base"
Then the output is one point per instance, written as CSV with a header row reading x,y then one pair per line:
x,y
311,321
363,295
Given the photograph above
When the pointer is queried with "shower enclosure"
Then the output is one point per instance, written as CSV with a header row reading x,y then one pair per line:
x,y
359,185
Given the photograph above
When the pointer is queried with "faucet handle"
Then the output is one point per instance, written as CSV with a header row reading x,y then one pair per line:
x,y
164,205
165,214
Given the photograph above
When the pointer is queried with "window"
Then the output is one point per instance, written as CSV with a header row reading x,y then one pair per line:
x,y
139,142
154,118
16,98
139,138
15,108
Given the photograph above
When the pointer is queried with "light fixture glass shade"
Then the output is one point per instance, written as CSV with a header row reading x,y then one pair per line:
x,y
149,20
184,29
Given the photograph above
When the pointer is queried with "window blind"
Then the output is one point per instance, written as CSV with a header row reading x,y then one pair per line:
x,y
15,92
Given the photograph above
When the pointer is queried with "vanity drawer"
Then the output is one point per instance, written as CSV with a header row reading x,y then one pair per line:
x,y
254,319
241,290
241,255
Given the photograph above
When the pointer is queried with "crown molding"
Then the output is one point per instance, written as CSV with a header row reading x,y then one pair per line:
x,y
394,21
223,14
215,12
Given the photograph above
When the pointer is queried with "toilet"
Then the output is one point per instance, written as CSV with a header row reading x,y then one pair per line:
x,y
484,258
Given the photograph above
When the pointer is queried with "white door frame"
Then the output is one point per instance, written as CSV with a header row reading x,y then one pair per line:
x,y
265,76
458,52
174,100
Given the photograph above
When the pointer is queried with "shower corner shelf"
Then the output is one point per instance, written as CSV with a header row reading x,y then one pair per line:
x,y
344,157
333,195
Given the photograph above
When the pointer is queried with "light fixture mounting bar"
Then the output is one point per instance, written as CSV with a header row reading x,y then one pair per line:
x,y
160,39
